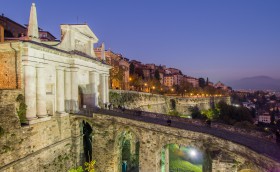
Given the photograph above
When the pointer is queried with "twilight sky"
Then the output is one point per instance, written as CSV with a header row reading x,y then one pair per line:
x,y
220,39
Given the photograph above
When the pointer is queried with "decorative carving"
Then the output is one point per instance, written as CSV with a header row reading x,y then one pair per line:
x,y
80,46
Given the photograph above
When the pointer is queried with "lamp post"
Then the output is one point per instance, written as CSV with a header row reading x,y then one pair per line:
x,y
146,88
153,87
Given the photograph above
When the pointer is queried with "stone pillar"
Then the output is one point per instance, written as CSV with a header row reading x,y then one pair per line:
x,y
103,89
149,157
74,90
166,158
94,83
67,90
60,108
41,91
107,88
30,91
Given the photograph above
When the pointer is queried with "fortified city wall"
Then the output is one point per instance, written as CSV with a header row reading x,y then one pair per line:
x,y
45,146
162,104
57,144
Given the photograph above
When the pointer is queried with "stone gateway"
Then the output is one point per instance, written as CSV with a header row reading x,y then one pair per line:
x,y
57,77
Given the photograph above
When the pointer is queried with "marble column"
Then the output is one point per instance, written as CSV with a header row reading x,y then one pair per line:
x,y
60,108
30,91
67,90
94,83
74,90
103,88
41,91
107,87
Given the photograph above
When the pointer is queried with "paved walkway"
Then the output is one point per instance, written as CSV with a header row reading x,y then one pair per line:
x,y
261,146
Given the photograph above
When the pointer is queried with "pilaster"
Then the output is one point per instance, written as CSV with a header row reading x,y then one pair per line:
x,y
94,83
67,89
74,90
60,104
41,91
107,88
30,91
103,88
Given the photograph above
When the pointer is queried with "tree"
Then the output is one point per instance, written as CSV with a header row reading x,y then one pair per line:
x,y
231,114
139,72
207,81
136,81
210,90
173,104
201,82
195,113
117,76
184,88
131,69
157,76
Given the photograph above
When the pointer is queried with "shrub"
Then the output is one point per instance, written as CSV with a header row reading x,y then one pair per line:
x,y
21,111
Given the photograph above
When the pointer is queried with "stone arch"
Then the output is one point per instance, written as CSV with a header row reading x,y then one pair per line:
x,y
126,149
87,131
184,151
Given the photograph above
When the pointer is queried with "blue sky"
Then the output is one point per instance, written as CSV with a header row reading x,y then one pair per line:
x,y
220,39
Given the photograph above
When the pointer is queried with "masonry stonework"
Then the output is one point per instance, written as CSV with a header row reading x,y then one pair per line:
x,y
153,139
162,104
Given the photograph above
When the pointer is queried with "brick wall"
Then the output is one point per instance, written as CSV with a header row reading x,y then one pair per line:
x,y
1,33
10,65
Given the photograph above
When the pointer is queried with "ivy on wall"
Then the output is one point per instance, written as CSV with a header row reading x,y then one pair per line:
x,y
123,98
21,111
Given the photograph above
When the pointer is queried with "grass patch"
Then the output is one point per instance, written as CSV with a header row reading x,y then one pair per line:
x,y
184,165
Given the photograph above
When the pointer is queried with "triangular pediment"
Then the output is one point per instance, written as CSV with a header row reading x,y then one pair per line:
x,y
77,37
85,30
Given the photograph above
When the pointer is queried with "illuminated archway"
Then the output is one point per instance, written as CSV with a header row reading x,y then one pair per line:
x,y
127,151
176,157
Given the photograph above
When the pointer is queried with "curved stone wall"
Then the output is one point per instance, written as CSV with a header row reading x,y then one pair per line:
x,y
161,104
154,137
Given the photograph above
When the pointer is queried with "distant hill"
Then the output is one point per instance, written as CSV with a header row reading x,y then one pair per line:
x,y
257,83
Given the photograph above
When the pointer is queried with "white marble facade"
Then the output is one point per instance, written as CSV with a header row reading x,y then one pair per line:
x,y
62,77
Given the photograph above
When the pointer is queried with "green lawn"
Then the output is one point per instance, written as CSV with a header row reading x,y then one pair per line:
x,y
176,160
184,165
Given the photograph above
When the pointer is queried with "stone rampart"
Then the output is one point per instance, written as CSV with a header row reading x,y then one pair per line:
x,y
162,104
53,145
153,138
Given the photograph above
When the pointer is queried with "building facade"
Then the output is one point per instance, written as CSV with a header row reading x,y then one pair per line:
x,y
12,30
119,73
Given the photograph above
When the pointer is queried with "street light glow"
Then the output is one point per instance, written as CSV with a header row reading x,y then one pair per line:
x,y
193,153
